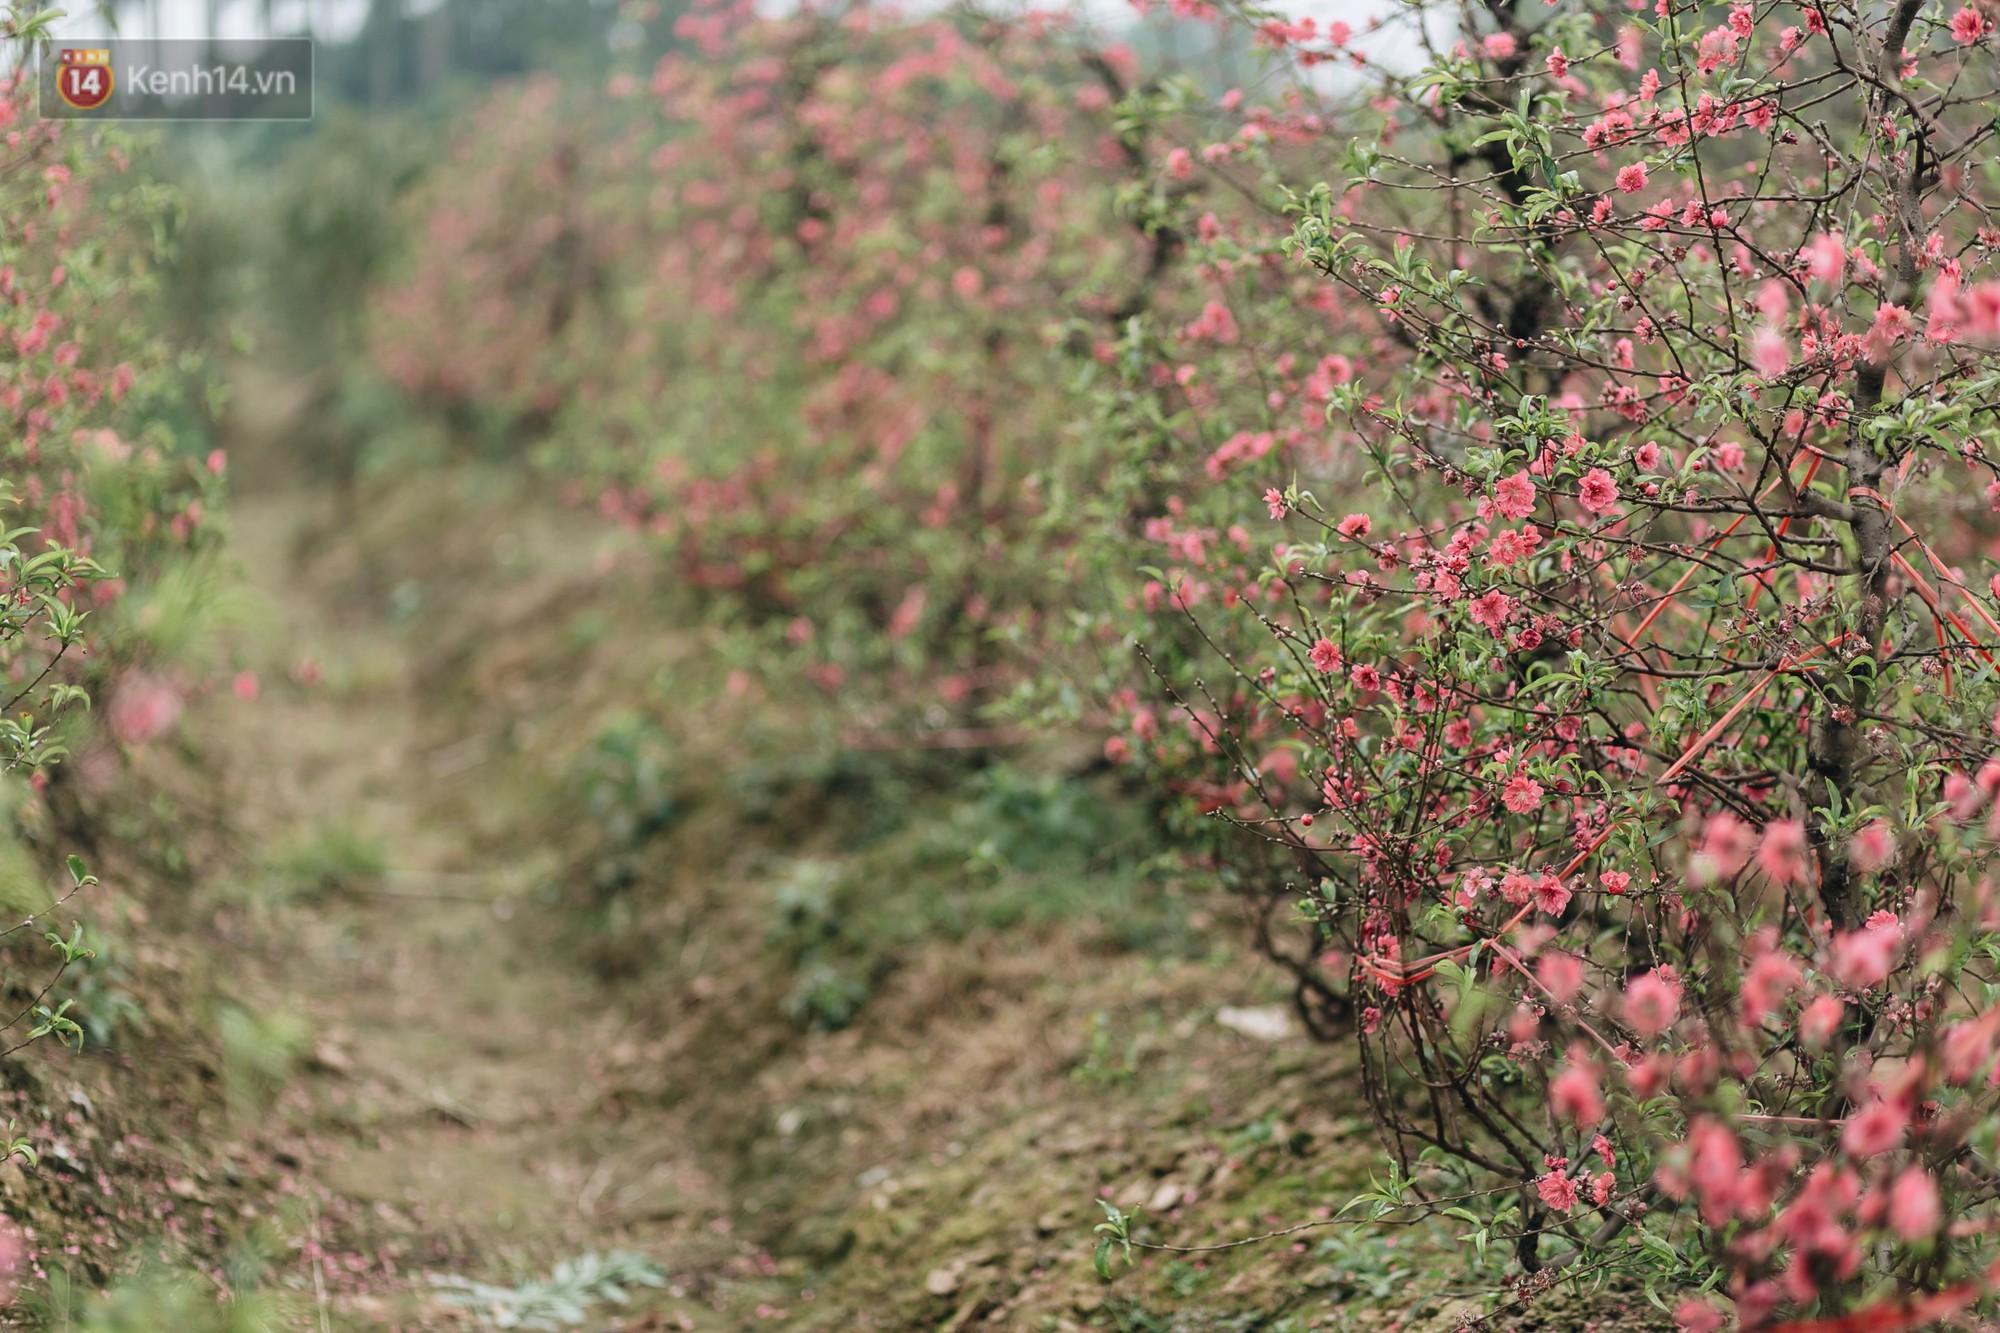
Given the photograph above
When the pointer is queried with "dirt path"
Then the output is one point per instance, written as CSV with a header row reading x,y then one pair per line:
x,y
448,1090
461,1106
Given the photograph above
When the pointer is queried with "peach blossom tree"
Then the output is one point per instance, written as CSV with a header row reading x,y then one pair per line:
x,y
100,496
1605,669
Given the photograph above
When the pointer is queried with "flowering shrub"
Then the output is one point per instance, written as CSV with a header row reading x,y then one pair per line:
x,y
514,241
98,505
826,261
93,469
109,522
1625,707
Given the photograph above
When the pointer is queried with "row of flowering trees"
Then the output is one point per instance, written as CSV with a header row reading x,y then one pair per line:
x,y
1527,469
101,494
791,318
99,498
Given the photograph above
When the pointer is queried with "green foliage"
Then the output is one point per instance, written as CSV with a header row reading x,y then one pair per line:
x,y
1364,1264
325,861
807,925
1114,1237
1108,1059
273,225
561,1300
804,908
99,993
1002,851
825,998
1016,821
259,1052
24,887
627,778
150,1302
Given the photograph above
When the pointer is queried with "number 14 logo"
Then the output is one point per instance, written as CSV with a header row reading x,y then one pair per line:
x,y
84,78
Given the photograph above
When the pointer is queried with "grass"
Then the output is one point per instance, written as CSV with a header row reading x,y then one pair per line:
x,y
324,862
